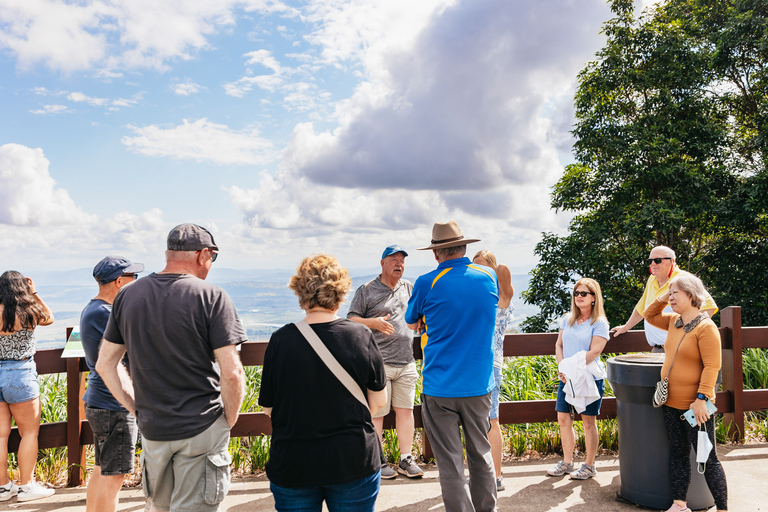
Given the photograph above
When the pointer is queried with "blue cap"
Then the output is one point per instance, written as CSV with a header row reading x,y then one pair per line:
x,y
112,267
392,249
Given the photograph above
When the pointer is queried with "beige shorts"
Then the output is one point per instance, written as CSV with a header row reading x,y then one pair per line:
x,y
401,387
188,474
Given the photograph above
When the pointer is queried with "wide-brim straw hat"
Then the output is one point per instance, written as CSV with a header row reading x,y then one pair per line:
x,y
447,234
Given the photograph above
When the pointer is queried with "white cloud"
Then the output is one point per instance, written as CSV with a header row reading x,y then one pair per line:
x,y
269,82
112,105
80,97
51,109
186,88
464,113
28,194
473,105
115,34
39,219
202,141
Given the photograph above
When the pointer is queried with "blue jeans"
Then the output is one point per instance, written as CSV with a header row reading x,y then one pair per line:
x,y
356,496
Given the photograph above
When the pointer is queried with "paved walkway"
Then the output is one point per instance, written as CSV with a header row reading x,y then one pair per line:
x,y
528,489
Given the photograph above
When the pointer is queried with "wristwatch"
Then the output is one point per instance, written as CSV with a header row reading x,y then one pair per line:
x,y
701,396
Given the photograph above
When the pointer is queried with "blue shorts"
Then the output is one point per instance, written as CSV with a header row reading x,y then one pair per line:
x,y
18,381
495,393
593,409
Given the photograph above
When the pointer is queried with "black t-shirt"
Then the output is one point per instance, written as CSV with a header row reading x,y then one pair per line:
x,y
321,435
170,325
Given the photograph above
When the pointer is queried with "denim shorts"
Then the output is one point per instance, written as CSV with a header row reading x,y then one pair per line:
x,y
356,496
114,440
18,381
495,393
593,409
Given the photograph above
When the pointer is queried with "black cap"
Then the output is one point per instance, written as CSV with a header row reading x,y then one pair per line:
x,y
190,237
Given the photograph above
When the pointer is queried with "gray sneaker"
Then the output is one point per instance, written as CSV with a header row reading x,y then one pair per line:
x,y
387,473
409,468
561,469
500,484
584,472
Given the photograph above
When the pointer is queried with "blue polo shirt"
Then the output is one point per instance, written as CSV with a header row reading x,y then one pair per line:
x,y
458,304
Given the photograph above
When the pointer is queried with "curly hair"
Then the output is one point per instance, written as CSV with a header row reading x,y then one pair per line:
x,y
18,303
320,280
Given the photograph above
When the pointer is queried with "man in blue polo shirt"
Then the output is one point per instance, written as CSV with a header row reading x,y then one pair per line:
x,y
455,305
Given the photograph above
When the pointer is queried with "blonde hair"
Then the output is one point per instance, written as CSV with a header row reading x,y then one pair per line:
x,y
320,280
597,307
487,256
692,285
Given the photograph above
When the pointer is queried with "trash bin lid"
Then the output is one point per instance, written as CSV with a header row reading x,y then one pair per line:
x,y
644,358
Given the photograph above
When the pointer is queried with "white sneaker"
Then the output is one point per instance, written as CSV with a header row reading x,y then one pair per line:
x,y
34,491
6,494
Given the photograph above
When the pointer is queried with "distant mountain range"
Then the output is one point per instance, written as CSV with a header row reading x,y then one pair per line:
x,y
261,296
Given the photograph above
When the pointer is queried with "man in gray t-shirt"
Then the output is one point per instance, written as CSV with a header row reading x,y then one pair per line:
x,y
380,305
187,382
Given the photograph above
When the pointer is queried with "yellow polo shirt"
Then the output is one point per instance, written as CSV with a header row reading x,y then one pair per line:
x,y
654,335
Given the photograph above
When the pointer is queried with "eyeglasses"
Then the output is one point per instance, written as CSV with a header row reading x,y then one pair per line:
x,y
583,294
214,255
657,260
130,276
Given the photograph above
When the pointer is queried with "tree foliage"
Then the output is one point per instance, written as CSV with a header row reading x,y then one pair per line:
x,y
671,148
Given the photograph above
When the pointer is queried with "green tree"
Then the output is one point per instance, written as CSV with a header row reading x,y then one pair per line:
x,y
670,149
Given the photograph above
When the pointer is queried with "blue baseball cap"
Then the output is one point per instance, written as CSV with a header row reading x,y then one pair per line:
x,y
112,267
392,249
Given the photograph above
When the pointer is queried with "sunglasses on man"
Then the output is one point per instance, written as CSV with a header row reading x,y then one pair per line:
x,y
657,260
214,255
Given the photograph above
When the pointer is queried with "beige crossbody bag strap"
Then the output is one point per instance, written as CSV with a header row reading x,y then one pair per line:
x,y
331,362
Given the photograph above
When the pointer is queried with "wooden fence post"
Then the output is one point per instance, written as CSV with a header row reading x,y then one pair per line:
x,y
75,416
733,377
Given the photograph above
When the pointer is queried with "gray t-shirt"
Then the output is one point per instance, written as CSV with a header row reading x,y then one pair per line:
x,y
374,299
170,325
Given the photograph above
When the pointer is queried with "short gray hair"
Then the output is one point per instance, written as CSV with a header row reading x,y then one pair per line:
x,y
692,285
180,255
669,252
450,251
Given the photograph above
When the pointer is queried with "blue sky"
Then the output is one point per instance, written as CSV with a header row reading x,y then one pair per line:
x,y
339,126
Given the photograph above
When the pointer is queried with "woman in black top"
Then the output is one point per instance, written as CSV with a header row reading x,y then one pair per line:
x,y
324,446
21,310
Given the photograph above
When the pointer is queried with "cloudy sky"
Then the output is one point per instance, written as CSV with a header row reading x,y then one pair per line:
x,y
286,128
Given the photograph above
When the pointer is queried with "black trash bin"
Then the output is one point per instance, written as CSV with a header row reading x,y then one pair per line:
x,y
644,452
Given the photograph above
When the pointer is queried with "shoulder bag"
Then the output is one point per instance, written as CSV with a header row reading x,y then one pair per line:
x,y
325,355
662,387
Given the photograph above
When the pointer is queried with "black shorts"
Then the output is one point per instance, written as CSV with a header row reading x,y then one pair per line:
x,y
114,438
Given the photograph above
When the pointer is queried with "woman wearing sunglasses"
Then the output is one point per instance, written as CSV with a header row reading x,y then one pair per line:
x,y
583,333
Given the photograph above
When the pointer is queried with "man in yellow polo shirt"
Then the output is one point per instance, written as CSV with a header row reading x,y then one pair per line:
x,y
663,269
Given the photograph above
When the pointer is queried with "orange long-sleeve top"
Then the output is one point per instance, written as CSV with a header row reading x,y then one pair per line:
x,y
698,359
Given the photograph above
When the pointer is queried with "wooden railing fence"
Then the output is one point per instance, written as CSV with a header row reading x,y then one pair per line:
x,y
733,401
